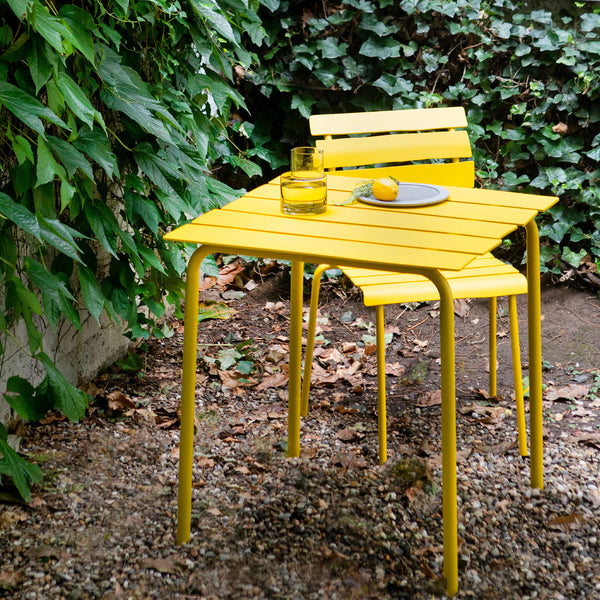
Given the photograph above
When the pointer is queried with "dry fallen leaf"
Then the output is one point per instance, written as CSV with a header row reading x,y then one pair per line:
x,y
228,273
276,353
395,369
118,401
347,435
205,462
568,392
461,308
560,128
430,398
567,522
8,518
588,439
162,565
273,381
594,497
9,580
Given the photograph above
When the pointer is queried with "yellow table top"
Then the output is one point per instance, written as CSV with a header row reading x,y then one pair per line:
x,y
447,235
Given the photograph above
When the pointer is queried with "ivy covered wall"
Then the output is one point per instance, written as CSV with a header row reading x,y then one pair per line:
x,y
116,123
528,74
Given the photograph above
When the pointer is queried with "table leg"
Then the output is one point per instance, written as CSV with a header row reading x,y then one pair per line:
x,y
188,395
295,367
449,491
535,356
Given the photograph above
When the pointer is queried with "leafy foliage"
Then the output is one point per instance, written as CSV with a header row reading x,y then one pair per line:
x,y
16,467
117,123
528,79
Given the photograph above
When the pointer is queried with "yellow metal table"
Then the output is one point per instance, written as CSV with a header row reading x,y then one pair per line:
x,y
423,240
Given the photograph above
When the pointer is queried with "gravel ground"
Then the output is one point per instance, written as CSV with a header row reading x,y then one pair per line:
x,y
332,524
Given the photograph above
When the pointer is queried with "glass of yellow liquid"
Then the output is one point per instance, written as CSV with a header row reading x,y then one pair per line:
x,y
304,188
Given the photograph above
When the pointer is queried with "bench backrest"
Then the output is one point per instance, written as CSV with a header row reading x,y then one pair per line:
x,y
426,145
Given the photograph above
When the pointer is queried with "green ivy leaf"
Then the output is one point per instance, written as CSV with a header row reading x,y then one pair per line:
x,y
573,258
76,99
245,367
381,49
20,216
97,146
22,398
393,85
91,293
70,400
18,469
103,224
331,48
594,154
71,158
27,108
22,149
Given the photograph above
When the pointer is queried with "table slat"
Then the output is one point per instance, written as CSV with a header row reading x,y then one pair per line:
x,y
320,230
379,218
318,250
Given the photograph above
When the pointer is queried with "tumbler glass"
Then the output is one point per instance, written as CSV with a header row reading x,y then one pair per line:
x,y
304,188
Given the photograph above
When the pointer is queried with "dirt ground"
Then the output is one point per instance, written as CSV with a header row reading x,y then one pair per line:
x,y
332,524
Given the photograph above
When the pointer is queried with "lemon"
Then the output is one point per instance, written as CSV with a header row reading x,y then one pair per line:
x,y
385,188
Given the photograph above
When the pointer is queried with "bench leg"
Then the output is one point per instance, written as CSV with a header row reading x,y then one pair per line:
x,y
517,374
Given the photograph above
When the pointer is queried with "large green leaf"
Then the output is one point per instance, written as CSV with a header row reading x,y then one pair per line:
x,y
20,7
71,158
125,91
219,90
80,25
51,28
97,146
155,168
76,99
19,215
92,294
209,10
22,149
22,398
138,206
61,236
26,108
72,401
47,168
40,67
46,282
104,225
18,469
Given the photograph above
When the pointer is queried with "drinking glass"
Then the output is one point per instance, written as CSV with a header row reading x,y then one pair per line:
x,y
304,188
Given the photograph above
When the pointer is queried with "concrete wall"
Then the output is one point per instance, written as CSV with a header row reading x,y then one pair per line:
x,y
80,355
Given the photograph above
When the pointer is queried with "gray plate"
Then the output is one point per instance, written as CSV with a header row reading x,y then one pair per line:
x,y
411,194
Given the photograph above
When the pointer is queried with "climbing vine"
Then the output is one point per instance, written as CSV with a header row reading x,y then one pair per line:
x,y
529,79
116,123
